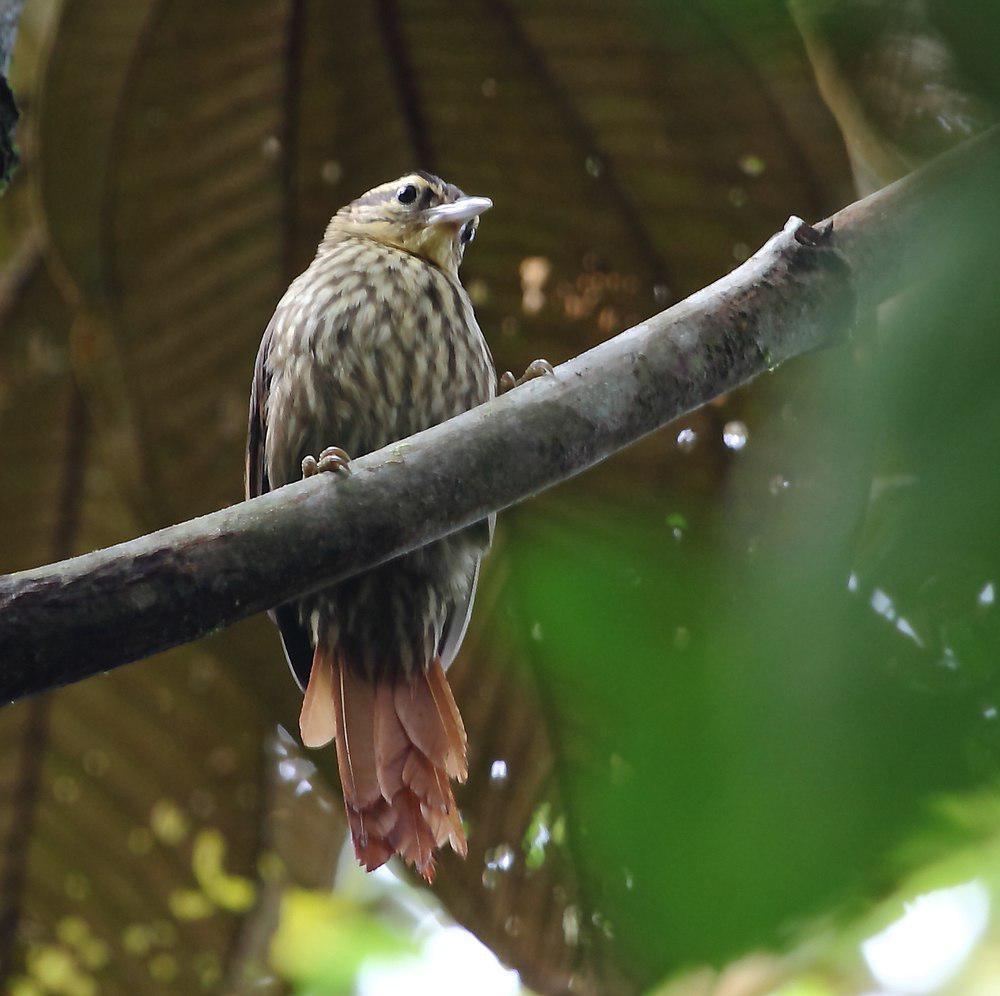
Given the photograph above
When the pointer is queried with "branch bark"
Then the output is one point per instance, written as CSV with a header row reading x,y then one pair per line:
x,y
69,620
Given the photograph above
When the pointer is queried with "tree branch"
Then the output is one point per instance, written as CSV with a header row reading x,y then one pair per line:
x,y
69,620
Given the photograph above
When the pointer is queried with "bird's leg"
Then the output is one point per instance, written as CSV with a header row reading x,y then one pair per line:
x,y
333,459
536,368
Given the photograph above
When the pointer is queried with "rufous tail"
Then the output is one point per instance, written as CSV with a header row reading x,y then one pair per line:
x,y
398,745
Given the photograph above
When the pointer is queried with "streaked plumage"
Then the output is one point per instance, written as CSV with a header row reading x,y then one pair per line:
x,y
377,340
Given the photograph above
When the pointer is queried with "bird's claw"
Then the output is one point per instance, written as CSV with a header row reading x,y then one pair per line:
x,y
536,368
332,460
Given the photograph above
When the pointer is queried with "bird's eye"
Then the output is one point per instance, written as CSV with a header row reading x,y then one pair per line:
x,y
407,194
468,232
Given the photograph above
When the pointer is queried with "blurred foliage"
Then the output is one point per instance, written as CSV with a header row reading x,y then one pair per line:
x,y
324,939
779,715
906,79
723,693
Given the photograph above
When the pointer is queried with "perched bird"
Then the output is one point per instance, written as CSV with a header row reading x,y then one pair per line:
x,y
377,340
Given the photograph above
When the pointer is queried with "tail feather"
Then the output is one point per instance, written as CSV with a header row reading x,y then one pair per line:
x,y
447,709
354,704
317,722
426,783
397,744
447,828
421,719
392,745
412,837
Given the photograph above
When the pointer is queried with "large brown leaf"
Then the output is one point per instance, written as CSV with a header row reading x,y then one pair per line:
x,y
129,799
189,156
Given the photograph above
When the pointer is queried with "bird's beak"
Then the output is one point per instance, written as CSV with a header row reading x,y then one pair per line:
x,y
458,212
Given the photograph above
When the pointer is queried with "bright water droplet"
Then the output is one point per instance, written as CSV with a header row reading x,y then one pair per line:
x,y
735,435
662,295
498,770
571,925
537,837
594,166
905,627
536,632
686,440
882,604
988,595
777,484
503,858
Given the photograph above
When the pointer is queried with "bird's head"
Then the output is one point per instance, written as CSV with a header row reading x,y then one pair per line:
x,y
418,213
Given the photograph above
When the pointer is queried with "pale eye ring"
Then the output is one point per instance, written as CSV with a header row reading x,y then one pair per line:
x,y
468,232
407,194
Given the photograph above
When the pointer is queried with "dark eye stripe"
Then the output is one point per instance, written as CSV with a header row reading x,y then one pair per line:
x,y
426,197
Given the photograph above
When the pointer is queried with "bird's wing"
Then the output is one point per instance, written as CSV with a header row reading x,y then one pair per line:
x,y
458,619
255,477
294,636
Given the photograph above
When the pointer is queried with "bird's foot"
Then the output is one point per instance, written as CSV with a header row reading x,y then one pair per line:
x,y
332,460
536,368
